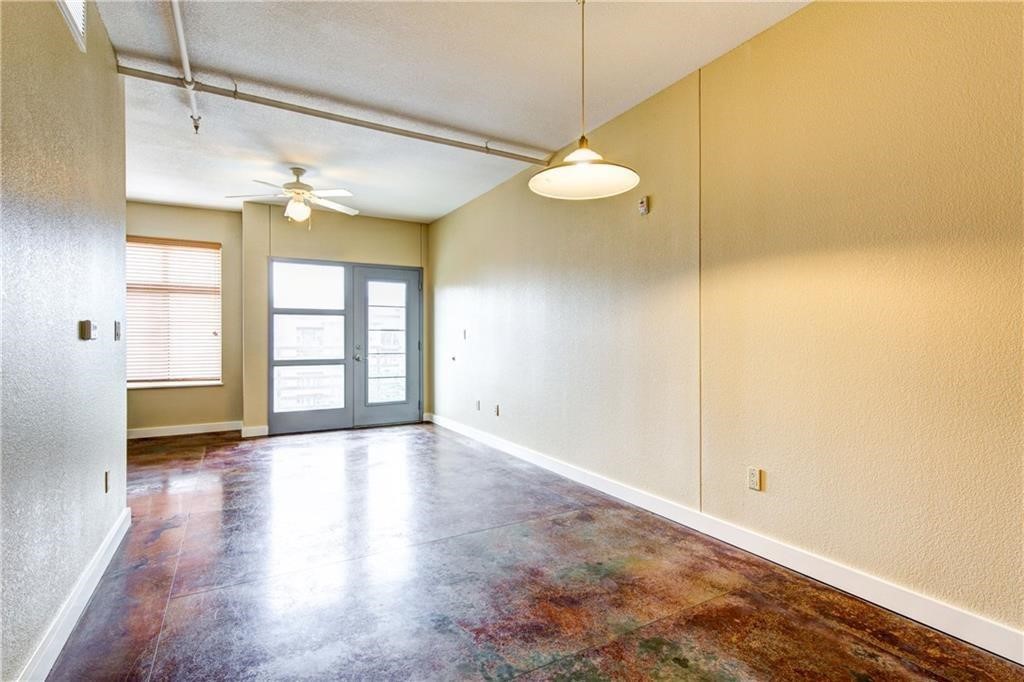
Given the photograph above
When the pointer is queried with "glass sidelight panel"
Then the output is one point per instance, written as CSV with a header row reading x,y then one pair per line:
x,y
310,346
381,341
381,365
300,388
309,337
307,285
385,293
385,341
385,390
385,317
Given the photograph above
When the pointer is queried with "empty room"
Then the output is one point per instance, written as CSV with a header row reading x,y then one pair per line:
x,y
551,340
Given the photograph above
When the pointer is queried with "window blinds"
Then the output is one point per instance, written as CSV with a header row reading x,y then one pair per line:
x,y
74,12
173,319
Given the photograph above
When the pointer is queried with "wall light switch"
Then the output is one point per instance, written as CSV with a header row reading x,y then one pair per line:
x,y
753,478
117,330
87,330
478,406
497,410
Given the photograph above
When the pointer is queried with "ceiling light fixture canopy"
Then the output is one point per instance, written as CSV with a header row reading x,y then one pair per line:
x,y
583,173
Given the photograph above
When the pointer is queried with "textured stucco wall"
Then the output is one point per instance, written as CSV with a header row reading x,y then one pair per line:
x,y
860,298
580,318
148,407
63,400
333,236
861,292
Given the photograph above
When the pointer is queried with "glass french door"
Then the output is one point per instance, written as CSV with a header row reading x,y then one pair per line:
x,y
387,346
344,345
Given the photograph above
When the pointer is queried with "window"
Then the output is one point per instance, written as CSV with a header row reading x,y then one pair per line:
x,y
173,316
73,12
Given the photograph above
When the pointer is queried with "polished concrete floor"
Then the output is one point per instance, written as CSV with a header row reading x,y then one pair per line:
x,y
411,553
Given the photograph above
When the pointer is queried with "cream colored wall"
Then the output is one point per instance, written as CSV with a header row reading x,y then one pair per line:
x,y
266,233
201,404
860,305
861,292
581,318
63,403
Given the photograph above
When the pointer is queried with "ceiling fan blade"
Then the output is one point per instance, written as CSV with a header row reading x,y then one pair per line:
x,y
332,193
268,184
333,206
254,196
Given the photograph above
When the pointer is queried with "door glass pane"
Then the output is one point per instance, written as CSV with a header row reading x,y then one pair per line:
x,y
385,342
385,317
386,293
386,390
309,387
392,365
306,285
309,337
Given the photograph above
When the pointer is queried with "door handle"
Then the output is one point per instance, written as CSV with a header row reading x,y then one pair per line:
x,y
357,357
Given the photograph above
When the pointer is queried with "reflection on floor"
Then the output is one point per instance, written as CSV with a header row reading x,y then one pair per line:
x,y
411,553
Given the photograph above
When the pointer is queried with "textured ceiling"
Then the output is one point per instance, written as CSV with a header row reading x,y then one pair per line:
x,y
507,73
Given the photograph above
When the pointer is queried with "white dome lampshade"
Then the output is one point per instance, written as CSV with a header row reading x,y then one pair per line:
x,y
297,210
582,175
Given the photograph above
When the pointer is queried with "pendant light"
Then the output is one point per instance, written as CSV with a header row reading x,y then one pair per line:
x,y
583,173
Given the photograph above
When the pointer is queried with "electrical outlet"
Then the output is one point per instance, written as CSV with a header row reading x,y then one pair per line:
x,y
753,478
497,410
106,481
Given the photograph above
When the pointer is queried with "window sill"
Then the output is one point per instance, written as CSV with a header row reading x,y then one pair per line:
x,y
172,384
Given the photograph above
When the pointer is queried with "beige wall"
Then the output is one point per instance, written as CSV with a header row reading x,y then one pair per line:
x,y
859,327
332,236
63,400
201,404
581,318
861,292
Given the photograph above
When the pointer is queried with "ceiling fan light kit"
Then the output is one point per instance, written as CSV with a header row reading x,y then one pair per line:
x,y
297,210
583,173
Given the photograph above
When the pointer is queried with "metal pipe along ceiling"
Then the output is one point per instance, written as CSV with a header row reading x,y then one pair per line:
x,y
186,67
196,86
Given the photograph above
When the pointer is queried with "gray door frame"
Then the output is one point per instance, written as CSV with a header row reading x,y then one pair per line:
x,y
344,418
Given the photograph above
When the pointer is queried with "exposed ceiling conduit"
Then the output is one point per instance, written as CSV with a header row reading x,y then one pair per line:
x,y
186,67
197,86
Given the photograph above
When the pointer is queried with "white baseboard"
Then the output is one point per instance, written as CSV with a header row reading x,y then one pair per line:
x,y
183,429
978,630
428,417
255,431
56,635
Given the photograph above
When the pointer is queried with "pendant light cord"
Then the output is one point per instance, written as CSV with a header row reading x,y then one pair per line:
x,y
583,67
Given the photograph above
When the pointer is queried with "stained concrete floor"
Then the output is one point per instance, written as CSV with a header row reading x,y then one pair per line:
x,y
412,553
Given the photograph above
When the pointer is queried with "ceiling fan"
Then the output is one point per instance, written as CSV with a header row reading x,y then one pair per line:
x,y
300,196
